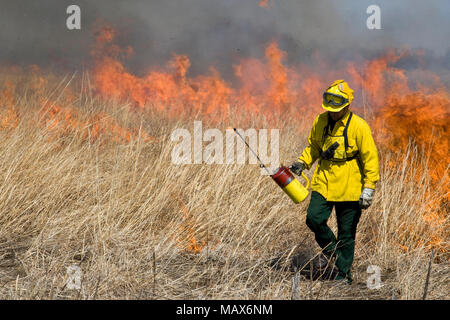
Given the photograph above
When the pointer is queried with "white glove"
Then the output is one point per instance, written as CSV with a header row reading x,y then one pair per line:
x,y
366,198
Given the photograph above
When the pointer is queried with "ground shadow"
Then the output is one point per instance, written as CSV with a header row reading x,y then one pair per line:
x,y
307,264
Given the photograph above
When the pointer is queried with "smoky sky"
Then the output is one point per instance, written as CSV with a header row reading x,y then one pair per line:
x,y
219,33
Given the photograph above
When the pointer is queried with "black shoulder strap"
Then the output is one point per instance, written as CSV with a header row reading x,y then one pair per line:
x,y
325,130
346,129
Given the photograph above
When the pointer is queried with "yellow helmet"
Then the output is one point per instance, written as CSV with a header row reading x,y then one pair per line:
x,y
337,96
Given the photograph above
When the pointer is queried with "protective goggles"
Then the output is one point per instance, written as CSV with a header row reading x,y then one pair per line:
x,y
334,99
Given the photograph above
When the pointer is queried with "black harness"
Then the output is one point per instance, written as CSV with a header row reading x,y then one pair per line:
x,y
327,127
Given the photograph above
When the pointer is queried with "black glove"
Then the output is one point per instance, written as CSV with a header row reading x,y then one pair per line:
x,y
298,167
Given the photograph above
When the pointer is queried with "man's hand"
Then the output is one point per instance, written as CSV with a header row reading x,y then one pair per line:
x,y
366,198
298,167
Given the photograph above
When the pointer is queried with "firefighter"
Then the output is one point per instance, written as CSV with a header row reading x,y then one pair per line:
x,y
344,178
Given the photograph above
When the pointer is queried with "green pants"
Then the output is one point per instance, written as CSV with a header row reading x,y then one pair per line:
x,y
343,248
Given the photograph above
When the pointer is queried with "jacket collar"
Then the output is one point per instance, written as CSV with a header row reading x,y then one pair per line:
x,y
344,118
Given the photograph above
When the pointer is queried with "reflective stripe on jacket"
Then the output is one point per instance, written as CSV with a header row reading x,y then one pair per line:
x,y
338,179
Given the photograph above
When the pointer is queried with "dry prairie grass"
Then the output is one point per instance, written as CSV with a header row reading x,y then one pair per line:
x,y
127,216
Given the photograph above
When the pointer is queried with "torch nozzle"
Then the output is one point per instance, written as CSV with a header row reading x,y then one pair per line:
x,y
261,164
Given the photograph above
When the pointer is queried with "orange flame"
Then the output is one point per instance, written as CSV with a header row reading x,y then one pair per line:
x,y
63,120
10,120
397,107
264,4
192,244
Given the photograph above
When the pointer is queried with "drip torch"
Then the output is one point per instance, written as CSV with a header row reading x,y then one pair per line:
x,y
284,178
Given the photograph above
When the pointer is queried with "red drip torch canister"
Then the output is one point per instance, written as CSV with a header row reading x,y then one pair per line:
x,y
290,185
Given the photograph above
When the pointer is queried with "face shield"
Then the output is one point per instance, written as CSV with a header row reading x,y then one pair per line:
x,y
334,99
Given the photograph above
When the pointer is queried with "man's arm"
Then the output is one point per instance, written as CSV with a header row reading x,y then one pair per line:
x,y
369,156
312,152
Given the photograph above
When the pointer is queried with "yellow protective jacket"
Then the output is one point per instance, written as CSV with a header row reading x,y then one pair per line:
x,y
343,177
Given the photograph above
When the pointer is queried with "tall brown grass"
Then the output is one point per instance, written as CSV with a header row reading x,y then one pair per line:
x,y
128,217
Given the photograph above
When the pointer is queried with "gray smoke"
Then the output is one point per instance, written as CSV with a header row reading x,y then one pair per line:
x,y
220,32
